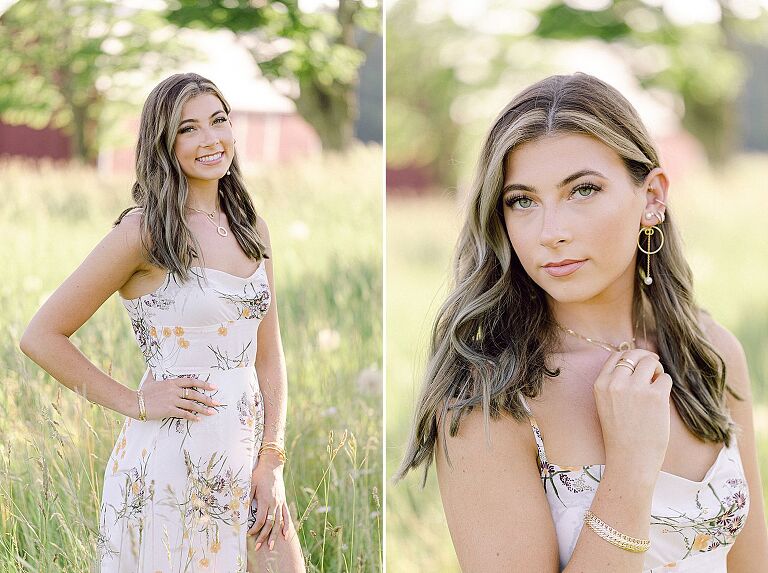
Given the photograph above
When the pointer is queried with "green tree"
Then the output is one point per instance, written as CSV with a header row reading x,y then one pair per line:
x,y
65,64
317,51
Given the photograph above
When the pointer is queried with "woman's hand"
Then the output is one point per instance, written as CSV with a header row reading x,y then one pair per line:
x,y
632,402
268,489
177,398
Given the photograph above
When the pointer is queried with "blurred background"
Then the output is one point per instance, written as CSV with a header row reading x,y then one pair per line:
x,y
304,79
698,75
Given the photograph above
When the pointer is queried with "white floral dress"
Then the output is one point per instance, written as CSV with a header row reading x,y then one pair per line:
x,y
693,523
176,492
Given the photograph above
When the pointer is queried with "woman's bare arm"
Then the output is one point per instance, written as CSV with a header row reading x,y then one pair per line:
x,y
498,513
46,339
750,550
270,359
493,499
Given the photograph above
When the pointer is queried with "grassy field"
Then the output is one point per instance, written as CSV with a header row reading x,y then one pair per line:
x,y
722,219
325,217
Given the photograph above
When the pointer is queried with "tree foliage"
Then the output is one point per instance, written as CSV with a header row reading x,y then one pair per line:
x,y
67,64
317,52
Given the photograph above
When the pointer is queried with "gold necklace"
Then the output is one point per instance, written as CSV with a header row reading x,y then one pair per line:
x,y
601,343
219,229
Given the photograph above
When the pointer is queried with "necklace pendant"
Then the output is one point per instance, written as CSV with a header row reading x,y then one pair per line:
x,y
221,231
625,346
210,216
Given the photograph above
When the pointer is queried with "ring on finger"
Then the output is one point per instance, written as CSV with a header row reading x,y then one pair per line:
x,y
632,363
270,517
185,393
625,364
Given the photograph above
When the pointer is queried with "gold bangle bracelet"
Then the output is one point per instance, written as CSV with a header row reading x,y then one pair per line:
x,y
275,447
614,536
142,409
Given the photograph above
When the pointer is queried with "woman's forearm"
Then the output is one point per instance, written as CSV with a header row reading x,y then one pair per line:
x,y
56,354
623,501
273,382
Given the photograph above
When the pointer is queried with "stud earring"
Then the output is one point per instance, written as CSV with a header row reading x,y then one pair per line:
x,y
228,173
649,232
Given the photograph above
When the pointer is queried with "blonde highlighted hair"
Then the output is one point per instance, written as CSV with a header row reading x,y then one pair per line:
x,y
494,333
161,188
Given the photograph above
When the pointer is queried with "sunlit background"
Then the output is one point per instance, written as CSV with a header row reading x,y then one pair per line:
x,y
698,76
305,84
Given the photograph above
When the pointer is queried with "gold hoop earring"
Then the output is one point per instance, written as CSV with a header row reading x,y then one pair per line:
x,y
648,232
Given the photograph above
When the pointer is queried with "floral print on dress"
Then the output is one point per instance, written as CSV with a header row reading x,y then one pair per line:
x,y
253,303
176,491
690,521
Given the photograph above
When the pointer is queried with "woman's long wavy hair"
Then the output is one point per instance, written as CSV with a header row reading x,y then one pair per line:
x,y
493,335
161,187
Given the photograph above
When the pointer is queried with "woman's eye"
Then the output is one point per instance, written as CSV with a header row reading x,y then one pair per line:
x,y
221,117
520,200
586,190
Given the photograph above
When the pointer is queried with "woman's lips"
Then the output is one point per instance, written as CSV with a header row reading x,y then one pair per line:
x,y
564,270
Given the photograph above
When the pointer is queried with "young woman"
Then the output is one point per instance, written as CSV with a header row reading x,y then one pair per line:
x,y
583,412
195,480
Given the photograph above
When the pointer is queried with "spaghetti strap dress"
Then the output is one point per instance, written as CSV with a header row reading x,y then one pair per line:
x,y
693,523
175,496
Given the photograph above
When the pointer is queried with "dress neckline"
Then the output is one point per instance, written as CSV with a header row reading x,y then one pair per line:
x,y
261,264
703,481
168,272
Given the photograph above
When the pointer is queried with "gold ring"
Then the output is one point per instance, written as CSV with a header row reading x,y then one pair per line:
x,y
270,518
630,362
186,393
625,364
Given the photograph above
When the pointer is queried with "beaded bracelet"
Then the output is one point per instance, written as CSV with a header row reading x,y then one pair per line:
x,y
142,409
615,537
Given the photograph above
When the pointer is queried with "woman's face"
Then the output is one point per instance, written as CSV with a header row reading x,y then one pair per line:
x,y
204,131
566,197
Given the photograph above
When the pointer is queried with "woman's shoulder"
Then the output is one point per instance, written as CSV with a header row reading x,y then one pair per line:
x,y
722,339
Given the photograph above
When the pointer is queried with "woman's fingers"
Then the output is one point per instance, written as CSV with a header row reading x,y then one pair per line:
x,y
277,524
286,520
193,406
268,526
194,383
261,517
179,413
200,397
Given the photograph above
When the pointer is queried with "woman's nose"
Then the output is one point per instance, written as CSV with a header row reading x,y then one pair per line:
x,y
554,229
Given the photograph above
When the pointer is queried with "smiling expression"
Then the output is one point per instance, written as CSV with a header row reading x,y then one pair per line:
x,y
570,197
205,130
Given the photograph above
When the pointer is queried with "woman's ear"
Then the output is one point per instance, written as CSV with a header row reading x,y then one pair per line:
x,y
656,184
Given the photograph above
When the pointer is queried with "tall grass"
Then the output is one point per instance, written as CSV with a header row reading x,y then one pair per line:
x,y
324,216
722,220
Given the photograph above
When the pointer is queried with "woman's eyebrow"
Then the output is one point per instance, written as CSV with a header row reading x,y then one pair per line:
x,y
183,121
563,183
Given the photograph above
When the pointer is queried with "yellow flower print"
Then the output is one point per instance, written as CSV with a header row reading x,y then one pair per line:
x,y
178,331
237,491
183,342
114,467
135,488
701,541
153,332
234,505
216,546
166,331
204,562
246,312
144,453
222,331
